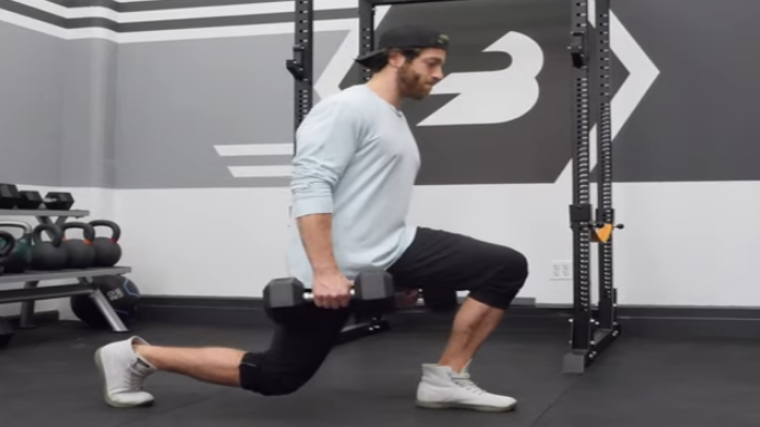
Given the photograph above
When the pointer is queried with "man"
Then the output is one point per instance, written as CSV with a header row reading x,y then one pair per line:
x,y
354,174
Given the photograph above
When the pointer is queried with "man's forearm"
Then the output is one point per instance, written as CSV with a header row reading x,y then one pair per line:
x,y
316,235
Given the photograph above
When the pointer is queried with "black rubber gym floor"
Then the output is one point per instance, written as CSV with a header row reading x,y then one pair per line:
x,y
47,378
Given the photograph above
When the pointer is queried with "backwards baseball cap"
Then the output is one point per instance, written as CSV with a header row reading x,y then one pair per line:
x,y
405,37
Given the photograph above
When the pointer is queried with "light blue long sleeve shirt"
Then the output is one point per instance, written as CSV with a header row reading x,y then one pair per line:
x,y
356,159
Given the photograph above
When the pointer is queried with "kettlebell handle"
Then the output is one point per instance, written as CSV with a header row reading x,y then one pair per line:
x,y
115,229
89,231
18,224
57,234
7,248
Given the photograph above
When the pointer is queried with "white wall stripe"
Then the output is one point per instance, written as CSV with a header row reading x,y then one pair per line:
x,y
169,35
178,14
33,24
226,32
46,6
234,150
261,171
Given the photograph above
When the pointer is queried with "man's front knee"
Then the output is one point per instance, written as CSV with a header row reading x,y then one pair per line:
x,y
516,266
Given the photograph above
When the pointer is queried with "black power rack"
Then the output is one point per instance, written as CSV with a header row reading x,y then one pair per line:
x,y
592,329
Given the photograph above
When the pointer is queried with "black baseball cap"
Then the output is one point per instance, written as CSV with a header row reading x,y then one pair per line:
x,y
405,37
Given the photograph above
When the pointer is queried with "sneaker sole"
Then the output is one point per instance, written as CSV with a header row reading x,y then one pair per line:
x,y
452,405
109,401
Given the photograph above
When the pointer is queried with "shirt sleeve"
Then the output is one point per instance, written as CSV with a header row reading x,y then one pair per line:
x,y
325,143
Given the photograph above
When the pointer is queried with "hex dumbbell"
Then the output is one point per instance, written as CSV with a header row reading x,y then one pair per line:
x,y
373,290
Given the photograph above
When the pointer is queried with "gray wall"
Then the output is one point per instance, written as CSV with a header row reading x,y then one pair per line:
x,y
31,104
57,109
87,146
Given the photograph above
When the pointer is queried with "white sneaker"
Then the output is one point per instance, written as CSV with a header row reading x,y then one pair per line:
x,y
442,387
123,374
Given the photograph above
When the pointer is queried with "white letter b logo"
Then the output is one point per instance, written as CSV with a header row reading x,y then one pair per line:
x,y
491,97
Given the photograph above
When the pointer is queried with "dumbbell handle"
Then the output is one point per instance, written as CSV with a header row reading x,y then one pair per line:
x,y
308,295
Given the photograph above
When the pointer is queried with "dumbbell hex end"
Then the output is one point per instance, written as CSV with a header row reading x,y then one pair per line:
x,y
374,285
282,293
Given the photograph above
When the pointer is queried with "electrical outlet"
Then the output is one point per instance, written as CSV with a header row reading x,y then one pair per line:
x,y
562,270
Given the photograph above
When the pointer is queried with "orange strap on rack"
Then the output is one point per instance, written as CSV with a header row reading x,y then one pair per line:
x,y
602,234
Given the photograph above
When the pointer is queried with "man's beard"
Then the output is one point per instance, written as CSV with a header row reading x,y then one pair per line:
x,y
411,84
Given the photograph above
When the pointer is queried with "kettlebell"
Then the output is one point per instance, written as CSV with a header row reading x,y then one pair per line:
x,y
107,249
80,252
48,255
21,257
10,243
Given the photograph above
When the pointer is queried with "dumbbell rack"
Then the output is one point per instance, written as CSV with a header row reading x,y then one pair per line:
x,y
31,279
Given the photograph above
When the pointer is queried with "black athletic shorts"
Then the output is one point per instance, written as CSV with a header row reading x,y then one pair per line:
x,y
492,273
439,259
